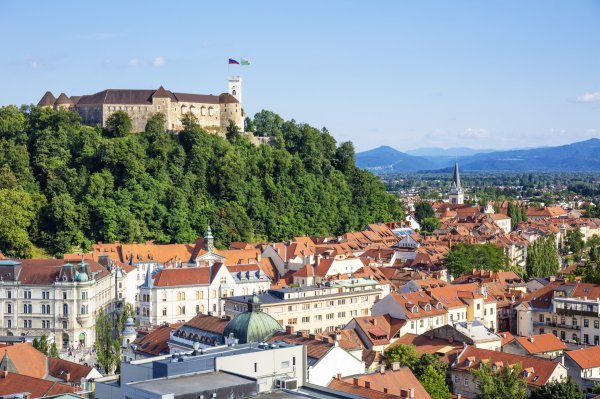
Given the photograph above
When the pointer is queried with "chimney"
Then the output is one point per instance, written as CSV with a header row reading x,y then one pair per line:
x,y
3,373
458,396
289,329
531,339
339,376
396,366
411,393
68,376
355,381
368,384
385,390
382,369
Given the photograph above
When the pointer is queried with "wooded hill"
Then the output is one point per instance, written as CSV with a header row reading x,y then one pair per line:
x,y
64,185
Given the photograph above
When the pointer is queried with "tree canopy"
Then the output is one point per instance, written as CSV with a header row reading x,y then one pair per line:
x,y
542,257
463,258
558,389
64,185
506,383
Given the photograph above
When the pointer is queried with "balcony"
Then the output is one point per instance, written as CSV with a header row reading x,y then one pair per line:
x,y
575,312
576,327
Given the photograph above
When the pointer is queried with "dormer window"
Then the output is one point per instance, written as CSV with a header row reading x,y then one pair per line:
x,y
427,308
415,309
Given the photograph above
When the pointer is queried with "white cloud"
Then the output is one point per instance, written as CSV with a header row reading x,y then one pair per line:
x,y
159,61
34,65
589,97
134,62
474,133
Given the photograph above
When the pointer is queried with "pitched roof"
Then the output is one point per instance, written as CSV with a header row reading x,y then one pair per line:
x,y
46,271
541,343
317,345
185,276
415,304
393,380
208,323
11,383
451,294
63,100
26,359
586,358
161,93
433,346
542,369
59,368
379,329
155,342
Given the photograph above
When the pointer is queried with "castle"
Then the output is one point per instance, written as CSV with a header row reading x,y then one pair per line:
x,y
212,112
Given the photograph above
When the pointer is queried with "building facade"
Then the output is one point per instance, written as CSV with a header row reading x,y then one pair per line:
x,y
212,112
315,309
54,296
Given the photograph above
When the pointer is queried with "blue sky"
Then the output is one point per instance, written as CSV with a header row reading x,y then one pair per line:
x,y
406,74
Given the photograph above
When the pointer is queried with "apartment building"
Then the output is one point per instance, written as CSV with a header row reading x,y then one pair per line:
x,y
177,295
54,296
570,311
315,309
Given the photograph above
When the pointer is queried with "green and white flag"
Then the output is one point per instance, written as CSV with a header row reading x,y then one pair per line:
x,y
245,62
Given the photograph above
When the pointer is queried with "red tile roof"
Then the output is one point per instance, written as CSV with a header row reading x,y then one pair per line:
x,y
541,343
415,304
155,342
424,344
11,383
586,358
27,360
185,276
471,358
392,380
58,368
379,329
208,323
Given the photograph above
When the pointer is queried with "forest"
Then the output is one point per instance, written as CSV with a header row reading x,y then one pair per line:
x,y
65,185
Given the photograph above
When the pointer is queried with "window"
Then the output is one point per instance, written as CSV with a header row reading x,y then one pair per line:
x,y
9,294
412,325
26,323
596,324
317,330
164,311
293,321
9,323
64,295
181,296
541,318
319,317
466,383
255,367
478,306
9,308
306,319
562,320
65,309
65,325
84,295
305,306
199,294
330,303
211,111
329,316
586,323
341,301
45,294
84,309
421,323
27,308
341,315
45,309
27,294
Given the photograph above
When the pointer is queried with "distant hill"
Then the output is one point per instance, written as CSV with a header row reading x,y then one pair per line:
x,y
386,159
580,156
446,152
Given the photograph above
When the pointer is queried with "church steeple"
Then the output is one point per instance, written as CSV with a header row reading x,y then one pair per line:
x,y
456,191
209,240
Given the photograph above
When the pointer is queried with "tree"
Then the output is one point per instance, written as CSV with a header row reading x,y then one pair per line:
x,y
462,258
42,345
406,355
18,211
506,383
575,242
53,350
542,257
434,383
233,132
559,389
593,243
424,210
119,124
108,348
430,224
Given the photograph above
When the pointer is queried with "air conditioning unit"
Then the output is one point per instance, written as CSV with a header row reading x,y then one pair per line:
x,y
287,383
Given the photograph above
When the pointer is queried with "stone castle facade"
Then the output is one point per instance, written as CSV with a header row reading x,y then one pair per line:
x,y
212,112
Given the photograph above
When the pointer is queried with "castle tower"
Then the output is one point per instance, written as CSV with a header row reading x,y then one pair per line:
x,y
457,196
235,88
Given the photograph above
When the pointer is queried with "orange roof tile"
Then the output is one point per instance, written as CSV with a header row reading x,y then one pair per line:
x,y
586,358
541,343
11,383
393,381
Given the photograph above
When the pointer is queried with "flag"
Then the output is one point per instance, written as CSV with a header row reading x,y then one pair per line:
x,y
245,61
233,62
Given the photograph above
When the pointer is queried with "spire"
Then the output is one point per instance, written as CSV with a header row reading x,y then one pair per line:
x,y
209,240
456,177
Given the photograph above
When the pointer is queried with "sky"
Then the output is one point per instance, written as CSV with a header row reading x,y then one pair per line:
x,y
493,74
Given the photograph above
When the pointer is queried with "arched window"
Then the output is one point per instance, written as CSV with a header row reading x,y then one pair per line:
x,y
65,309
203,111
164,312
211,111
233,92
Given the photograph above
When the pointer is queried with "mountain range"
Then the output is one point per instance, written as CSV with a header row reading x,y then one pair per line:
x,y
579,156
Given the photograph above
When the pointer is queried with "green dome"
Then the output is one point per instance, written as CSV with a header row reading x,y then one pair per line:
x,y
81,277
252,326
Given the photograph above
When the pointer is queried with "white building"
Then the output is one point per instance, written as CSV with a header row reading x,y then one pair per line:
x,y
54,296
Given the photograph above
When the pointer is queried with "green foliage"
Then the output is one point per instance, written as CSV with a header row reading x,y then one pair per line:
x,y
53,350
64,185
430,224
575,242
119,124
406,355
434,383
108,348
424,210
542,257
517,214
557,389
593,243
505,383
233,132
463,258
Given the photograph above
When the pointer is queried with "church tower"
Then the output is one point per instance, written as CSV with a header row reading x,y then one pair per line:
x,y
457,195
209,241
235,88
